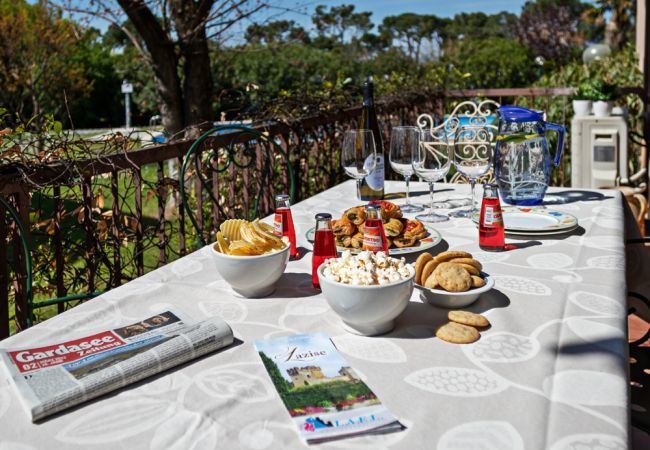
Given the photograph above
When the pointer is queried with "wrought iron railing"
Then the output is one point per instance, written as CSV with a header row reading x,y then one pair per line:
x,y
97,222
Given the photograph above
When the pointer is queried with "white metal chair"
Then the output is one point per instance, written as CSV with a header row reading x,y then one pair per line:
x,y
468,113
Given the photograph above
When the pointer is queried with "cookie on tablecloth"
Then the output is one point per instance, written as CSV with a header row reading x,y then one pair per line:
x,y
468,318
457,333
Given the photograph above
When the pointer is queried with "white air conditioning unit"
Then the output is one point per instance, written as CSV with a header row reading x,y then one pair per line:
x,y
598,151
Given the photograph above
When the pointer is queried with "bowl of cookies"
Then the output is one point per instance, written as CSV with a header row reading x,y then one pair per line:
x,y
249,257
451,279
367,291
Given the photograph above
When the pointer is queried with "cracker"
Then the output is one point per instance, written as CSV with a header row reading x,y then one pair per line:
x,y
419,265
428,269
468,318
452,277
478,282
470,269
457,333
469,261
431,282
446,256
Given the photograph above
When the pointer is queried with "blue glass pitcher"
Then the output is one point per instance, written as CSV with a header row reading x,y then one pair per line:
x,y
522,162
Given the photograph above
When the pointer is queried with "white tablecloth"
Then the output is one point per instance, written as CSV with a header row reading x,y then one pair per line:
x,y
549,373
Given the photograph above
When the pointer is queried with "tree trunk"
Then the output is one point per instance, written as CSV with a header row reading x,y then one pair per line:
x,y
197,83
164,60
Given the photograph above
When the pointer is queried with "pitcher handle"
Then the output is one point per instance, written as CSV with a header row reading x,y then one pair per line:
x,y
560,142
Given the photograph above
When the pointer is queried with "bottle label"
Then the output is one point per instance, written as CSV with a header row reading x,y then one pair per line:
x,y
372,239
376,178
277,224
492,217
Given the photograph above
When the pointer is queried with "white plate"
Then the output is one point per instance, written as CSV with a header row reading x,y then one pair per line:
x,y
536,221
433,239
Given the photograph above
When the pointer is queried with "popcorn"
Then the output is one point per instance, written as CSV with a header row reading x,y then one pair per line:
x,y
366,269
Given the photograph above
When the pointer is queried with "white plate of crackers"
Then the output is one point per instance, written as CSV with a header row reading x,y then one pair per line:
x,y
452,279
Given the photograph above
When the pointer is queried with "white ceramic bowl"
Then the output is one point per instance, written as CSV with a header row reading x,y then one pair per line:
x,y
367,310
453,300
251,276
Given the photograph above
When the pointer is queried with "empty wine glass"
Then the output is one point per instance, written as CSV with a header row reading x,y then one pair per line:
x,y
473,153
358,155
403,142
431,162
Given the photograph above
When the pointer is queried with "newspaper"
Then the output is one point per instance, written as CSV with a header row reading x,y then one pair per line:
x,y
58,376
324,396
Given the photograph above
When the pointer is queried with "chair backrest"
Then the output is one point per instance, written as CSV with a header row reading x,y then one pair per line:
x,y
465,114
235,168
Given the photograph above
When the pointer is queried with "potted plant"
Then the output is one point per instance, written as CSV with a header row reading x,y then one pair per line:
x,y
582,99
603,98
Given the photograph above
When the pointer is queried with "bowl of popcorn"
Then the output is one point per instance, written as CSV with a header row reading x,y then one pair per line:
x,y
368,291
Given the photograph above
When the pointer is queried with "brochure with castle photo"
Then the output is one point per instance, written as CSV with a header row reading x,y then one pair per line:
x,y
321,392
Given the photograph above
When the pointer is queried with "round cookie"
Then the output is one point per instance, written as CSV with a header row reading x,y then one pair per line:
x,y
431,282
457,333
428,269
446,256
419,265
477,282
470,269
452,277
468,318
468,261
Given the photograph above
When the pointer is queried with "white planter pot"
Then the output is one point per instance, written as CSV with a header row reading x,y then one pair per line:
x,y
581,107
603,109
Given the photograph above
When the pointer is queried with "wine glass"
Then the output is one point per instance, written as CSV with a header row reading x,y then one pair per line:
x,y
431,162
403,142
473,153
358,155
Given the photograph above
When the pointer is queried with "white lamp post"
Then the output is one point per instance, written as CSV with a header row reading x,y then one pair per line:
x,y
127,90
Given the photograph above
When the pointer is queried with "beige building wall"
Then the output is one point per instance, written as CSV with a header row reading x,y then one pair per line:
x,y
640,30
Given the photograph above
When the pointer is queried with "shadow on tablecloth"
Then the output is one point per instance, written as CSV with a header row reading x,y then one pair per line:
x,y
420,320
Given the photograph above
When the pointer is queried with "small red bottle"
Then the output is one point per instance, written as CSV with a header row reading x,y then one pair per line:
x,y
374,238
324,245
284,221
491,231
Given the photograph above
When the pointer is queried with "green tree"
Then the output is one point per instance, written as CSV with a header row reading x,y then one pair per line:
x,y
412,30
551,29
480,25
278,31
38,70
100,106
176,36
281,385
493,62
616,18
339,22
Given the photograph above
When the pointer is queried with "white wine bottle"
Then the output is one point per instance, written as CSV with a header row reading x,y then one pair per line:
x,y
372,186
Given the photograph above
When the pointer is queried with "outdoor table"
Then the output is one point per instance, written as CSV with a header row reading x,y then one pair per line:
x,y
551,372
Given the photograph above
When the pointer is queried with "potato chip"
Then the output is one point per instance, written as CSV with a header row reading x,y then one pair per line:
x,y
266,227
242,238
270,237
223,243
231,229
243,248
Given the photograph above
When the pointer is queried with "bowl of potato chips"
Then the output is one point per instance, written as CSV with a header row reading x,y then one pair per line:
x,y
250,257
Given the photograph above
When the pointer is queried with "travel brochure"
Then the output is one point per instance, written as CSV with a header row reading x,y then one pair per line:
x,y
324,396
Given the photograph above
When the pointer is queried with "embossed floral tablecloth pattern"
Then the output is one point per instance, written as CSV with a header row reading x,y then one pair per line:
x,y
549,373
